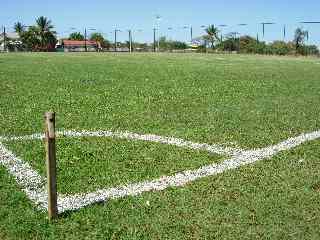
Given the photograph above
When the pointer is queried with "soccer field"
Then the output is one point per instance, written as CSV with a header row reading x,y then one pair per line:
x,y
170,146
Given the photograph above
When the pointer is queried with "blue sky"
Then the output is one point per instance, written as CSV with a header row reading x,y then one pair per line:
x,y
106,15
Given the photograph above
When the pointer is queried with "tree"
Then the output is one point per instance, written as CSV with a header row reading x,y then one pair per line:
x,y
76,36
300,37
45,33
163,43
39,37
19,28
97,37
280,48
212,35
30,38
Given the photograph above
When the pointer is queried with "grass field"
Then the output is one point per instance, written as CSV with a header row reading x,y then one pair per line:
x,y
233,100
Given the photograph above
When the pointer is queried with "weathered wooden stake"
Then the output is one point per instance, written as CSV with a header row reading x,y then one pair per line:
x,y
51,164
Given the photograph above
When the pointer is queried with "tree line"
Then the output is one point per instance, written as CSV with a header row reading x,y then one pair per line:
x,y
42,37
248,44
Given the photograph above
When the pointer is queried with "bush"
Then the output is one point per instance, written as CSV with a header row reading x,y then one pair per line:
x,y
308,50
280,48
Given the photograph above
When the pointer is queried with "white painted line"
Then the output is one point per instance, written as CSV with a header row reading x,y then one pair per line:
x,y
81,200
30,181
178,142
34,185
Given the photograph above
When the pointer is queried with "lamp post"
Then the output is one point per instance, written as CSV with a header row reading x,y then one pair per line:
x,y
222,25
263,26
205,40
85,38
130,40
131,32
4,39
169,34
191,32
158,19
308,22
235,37
154,39
115,39
241,24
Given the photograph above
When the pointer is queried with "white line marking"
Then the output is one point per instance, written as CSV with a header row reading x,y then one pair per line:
x,y
214,148
30,181
33,184
81,200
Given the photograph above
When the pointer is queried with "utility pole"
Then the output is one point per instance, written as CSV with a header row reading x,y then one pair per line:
x,y
159,43
115,39
191,34
154,39
130,41
85,40
263,27
4,39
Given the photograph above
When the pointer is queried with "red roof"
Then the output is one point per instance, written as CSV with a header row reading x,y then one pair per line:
x,y
78,43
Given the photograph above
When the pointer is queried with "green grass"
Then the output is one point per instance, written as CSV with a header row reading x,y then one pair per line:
x,y
249,101
93,163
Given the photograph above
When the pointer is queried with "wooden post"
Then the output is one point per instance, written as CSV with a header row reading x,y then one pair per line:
x,y
51,164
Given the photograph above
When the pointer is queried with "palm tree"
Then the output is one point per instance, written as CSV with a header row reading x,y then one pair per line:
x,y
212,34
300,37
98,38
44,24
19,28
45,33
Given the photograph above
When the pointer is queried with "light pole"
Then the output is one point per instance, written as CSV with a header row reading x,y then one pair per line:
x,y
263,26
235,38
241,24
154,39
4,39
191,32
158,19
169,34
131,32
222,25
308,22
85,38
130,40
115,39
205,40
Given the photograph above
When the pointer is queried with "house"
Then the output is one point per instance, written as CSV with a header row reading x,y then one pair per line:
x,y
78,46
12,41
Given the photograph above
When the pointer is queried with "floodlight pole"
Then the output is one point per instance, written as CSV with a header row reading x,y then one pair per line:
x,y
4,39
154,40
130,41
85,40
115,40
308,22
